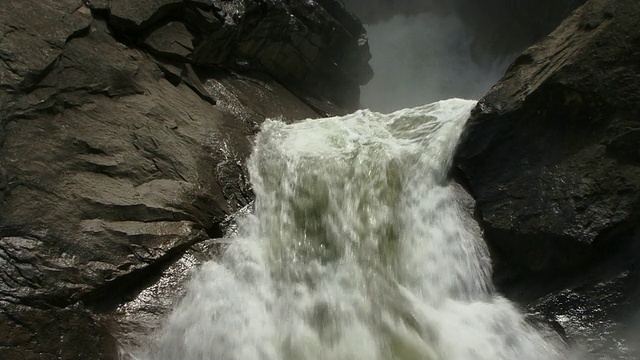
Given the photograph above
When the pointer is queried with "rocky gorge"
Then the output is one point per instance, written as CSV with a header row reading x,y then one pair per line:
x,y
125,128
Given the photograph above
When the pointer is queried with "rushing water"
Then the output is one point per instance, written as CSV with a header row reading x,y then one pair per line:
x,y
357,249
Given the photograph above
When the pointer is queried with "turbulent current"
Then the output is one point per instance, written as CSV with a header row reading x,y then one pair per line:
x,y
358,249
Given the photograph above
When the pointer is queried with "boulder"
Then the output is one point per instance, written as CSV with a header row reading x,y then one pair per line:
x,y
551,156
119,152
550,153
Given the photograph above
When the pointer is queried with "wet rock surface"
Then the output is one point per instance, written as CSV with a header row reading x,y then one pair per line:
x,y
317,49
123,141
550,155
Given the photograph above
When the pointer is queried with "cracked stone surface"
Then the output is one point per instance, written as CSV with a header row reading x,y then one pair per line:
x,y
171,40
119,154
29,48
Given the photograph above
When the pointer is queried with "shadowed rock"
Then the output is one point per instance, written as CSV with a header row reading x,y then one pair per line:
x,y
550,154
548,151
173,40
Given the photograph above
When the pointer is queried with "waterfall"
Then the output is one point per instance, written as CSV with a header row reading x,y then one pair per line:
x,y
357,249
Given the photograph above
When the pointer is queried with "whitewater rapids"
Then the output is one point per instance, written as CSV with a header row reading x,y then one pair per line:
x,y
357,250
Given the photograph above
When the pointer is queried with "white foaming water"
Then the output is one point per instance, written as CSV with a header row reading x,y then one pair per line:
x,y
357,250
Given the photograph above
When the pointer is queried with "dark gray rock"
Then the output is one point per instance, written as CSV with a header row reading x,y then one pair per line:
x,y
71,333
550,155
303,45
172,40
137,15
548,151
118,154
317,49
595,309
29,48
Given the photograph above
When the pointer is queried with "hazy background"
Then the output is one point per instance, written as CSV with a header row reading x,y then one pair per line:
x,y
428,50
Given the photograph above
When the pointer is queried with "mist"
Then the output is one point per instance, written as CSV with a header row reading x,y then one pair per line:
x,y
425,58
426,50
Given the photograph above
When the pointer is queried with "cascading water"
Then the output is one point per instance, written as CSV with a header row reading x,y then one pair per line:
x,y
357,249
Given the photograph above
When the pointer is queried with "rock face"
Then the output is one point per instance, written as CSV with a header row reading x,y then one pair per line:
x,y
124,130
551,156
